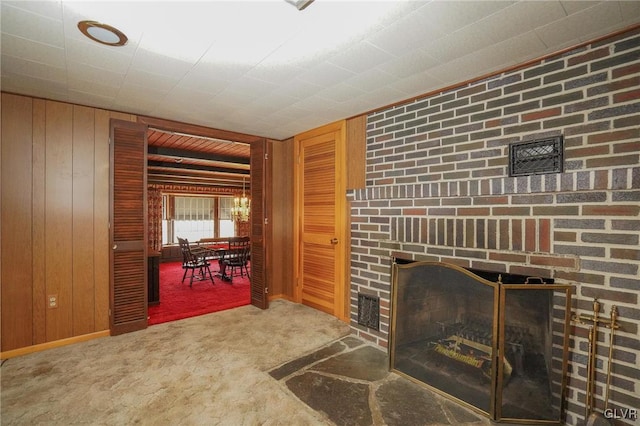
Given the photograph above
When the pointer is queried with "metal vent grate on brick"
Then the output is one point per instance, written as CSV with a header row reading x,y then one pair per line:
x,y
536,157
369,311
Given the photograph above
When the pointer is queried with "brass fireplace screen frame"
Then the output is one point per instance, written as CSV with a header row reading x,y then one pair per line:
x,y
557,339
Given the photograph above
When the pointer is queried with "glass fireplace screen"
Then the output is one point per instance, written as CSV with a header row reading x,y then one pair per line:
x,y
500,349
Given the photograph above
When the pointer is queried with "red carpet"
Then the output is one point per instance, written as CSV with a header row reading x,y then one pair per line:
x,y
178,301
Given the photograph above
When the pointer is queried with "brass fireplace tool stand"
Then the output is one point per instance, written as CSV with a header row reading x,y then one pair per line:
x,y
592,416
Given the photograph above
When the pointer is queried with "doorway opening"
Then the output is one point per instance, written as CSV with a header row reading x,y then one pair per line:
x,y
193,174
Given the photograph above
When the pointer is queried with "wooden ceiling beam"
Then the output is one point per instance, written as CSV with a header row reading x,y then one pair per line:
x,y
183,153
184,180
196,167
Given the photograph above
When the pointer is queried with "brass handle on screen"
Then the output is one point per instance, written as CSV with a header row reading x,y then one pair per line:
x,y
115,246
334,241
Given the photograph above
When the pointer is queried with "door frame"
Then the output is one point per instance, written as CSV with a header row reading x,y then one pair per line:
x,y
196,130
342,290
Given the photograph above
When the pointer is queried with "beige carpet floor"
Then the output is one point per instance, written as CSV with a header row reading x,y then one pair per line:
x,y
208,370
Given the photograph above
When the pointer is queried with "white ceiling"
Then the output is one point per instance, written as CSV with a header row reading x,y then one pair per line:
x,y
267,69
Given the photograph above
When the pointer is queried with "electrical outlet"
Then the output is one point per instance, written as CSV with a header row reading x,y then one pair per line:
x,y
53,301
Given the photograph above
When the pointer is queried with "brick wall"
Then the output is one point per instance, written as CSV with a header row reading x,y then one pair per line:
x,y
438,189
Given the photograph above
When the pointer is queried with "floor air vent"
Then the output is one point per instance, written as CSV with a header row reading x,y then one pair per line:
x,y
369,311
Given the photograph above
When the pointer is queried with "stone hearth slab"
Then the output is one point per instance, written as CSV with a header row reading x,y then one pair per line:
x,y
297,364
350,383
344,402
366,363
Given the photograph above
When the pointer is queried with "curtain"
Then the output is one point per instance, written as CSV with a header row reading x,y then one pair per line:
x,y
154,207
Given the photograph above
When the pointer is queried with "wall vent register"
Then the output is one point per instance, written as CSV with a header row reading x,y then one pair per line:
x,y
536,157
369,311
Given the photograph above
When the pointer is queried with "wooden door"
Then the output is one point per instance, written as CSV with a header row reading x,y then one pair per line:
x,y
321,229
259,224
128,226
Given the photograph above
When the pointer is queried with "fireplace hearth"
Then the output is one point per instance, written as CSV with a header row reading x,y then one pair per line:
x,y
498,348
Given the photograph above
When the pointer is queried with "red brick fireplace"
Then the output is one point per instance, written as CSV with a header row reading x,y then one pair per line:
x,y
439,189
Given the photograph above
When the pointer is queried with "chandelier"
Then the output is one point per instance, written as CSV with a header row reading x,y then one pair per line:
x,y
241,207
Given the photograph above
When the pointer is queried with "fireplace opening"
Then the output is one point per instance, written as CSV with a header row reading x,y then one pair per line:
x,y
498,347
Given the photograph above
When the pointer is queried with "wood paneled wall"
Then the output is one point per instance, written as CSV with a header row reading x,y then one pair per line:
x,y
55,223
356,152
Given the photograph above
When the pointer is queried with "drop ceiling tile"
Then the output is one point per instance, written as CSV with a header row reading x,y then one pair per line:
x,y
30,50
301,52
513,51
298,89
403,36
589,21
630,10
31,26
459,70
96,55
575,6
92,87
152,81
369,80
92,99
208,87
47,9
32,86
459,44
362,106
340,93
289,113
445,17
33,69
360,57
178,44
520,18
138,98
315,103
414,62
89,73
145,60
272,101
251,87
417,83
276,74
326,74
187,98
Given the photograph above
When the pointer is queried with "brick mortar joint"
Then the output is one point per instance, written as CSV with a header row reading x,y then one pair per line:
x,y
508,185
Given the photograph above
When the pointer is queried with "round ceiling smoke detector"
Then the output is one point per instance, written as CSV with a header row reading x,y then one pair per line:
x,y
102,33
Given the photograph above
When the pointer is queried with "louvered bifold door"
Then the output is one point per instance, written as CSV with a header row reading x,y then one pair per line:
x,y
128,227
259,224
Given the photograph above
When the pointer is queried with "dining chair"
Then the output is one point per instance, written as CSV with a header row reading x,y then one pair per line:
x,y
193,260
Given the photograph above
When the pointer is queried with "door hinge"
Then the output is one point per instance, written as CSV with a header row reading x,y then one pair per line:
x,y
266,155
266,220
266,290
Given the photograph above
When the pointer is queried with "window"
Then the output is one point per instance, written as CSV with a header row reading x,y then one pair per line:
x,y
227,226
194,218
